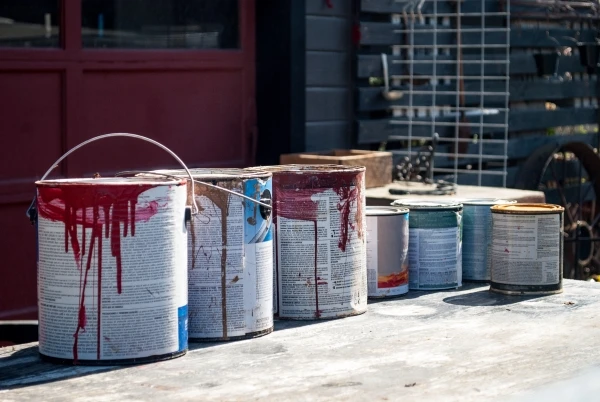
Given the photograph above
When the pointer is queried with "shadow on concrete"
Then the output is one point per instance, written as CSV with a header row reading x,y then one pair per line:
x,y
486,298
415,294
25,368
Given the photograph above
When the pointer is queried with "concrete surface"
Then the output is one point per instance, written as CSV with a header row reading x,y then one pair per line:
x,y
381,195
464,345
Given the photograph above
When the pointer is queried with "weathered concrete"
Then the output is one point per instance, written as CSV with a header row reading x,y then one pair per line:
x,y
381,195
465,345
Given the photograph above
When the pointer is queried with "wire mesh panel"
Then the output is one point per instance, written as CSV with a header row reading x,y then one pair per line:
x,y
449,74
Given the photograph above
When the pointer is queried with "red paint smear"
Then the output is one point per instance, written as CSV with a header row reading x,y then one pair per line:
x,y
79,205
329,3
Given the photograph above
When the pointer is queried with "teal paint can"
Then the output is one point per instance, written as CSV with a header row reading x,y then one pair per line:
x,y
435,244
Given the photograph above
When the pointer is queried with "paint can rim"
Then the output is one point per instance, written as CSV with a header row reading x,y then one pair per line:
x,y
217,174
385,211
312,169
484,201
527,209
112,181
114,362
428,205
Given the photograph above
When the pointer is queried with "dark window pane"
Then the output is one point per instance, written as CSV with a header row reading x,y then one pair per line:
x,y
29,23
160,24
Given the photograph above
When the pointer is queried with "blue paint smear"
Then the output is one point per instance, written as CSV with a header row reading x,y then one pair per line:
x,y
254,188
182,319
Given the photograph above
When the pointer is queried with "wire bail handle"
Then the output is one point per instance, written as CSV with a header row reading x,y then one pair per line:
x,y
32,212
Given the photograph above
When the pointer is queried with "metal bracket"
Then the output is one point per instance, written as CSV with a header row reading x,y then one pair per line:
x,y
386,93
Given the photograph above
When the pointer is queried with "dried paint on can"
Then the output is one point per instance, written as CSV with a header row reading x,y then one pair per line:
x,y
387,251
320,249
230,263
527,249
112,270
477,237
435,244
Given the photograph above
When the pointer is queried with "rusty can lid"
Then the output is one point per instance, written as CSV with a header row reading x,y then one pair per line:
x,y
416,204
385,211
527,209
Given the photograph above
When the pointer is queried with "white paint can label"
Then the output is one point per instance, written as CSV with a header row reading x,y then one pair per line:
x,y
526,249
387,254
435,258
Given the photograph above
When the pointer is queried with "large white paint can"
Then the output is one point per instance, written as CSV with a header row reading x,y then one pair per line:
x,y
527,249
112,270
230,255
320,249
435,244
477,237
387,251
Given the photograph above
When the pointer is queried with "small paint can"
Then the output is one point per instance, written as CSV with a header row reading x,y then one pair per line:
x,y
230,255
435,244
527,249
320,247
112,270
387,251
477,237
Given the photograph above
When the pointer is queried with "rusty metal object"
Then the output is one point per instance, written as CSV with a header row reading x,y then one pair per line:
x,y
547,170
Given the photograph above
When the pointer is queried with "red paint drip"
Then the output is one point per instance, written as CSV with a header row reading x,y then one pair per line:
x,y
347,197
79,205
329,3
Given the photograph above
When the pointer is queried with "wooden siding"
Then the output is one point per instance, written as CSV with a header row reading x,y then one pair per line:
x,y
329,76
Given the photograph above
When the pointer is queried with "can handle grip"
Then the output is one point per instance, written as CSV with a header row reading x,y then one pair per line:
x,y
31,211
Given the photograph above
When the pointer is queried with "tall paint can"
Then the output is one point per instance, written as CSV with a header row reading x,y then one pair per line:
x,y
320,247
477,237
387,251
435,244
230,255
527,249
112,270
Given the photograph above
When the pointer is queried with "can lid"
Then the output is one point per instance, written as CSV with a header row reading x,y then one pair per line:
x,y
428,204
112,181
528,208
484,201
382,211
312,169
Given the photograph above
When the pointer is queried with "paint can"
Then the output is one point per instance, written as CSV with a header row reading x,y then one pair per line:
x,y
320,246
527,249
387,251
477,237
112,267
230,255
112,270
435,244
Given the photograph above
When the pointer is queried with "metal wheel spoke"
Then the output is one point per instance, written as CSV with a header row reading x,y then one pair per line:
x,y
562,194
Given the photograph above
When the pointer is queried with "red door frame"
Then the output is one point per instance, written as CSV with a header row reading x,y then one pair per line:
x,y
71,61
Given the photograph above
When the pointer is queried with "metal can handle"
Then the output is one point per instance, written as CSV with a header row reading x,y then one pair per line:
x,y
100,137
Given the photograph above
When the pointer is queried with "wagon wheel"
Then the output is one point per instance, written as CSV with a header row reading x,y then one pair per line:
x,y
569,175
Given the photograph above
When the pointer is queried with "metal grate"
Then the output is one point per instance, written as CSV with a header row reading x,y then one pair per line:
x,y
473,99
